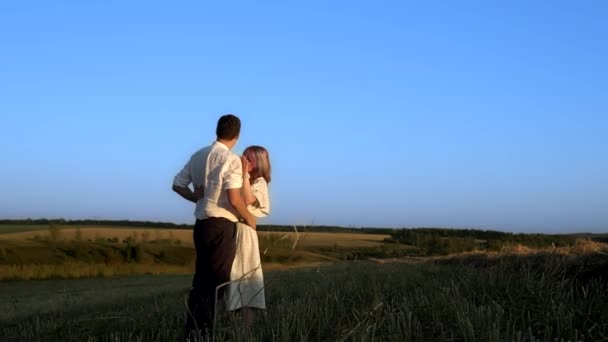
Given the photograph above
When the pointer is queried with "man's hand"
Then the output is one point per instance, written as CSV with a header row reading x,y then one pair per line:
x,y
199,192
186,193
236,200
251,222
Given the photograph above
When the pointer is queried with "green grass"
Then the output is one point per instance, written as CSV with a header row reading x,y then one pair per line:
x,y
527,299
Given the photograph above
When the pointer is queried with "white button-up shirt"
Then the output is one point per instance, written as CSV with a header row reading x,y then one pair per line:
x,y
217,169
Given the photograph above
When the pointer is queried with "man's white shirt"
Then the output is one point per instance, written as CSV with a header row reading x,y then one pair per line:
x,y
217,169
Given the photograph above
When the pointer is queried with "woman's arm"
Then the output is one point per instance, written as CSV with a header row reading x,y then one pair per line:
x,y
248,196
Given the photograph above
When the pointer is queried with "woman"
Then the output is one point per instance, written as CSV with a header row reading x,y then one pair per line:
x,y
245,293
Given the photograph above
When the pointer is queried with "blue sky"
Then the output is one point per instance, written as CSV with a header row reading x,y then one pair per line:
x,y
482,114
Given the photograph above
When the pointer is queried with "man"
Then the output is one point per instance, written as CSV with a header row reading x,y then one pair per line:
x,y
219,172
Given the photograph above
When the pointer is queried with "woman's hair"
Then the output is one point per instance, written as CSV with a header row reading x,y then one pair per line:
x,y
260,162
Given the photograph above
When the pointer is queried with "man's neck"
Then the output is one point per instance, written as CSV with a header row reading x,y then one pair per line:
x,y
227,143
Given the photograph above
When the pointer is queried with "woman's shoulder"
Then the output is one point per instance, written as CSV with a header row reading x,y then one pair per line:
x,y
260,181
259,188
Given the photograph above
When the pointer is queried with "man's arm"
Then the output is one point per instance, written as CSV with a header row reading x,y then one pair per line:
x,y
236,200
233,183
181,184
186,193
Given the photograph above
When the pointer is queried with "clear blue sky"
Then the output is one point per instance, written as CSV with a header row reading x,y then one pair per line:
x,y
484,114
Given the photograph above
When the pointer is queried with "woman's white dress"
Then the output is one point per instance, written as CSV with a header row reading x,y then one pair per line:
x,y
247,279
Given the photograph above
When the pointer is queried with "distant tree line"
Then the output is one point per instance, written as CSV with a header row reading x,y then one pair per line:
x,y
168,225
437,241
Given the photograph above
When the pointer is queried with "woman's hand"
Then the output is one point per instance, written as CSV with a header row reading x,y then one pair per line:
x,y
246,165
246,190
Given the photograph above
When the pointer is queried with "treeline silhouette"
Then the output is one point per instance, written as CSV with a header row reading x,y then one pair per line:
x,y
169,225
437,241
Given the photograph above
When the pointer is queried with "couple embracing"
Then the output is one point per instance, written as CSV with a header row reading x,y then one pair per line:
x,y
230,192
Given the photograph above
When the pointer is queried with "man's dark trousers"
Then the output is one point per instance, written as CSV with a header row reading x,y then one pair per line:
x,y
215,243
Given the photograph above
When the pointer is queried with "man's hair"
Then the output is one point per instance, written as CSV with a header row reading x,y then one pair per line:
x,y
228,127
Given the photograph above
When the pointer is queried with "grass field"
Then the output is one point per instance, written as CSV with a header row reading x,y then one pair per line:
x,y
517,294
519,300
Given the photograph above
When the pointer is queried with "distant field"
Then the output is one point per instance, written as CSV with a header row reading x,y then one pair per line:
x,y
99,232
38,252
24,233
6,229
